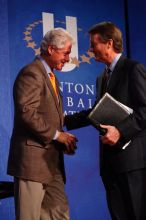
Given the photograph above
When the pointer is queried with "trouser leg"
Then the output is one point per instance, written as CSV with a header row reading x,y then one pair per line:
x,y
126,194
55,204
28,199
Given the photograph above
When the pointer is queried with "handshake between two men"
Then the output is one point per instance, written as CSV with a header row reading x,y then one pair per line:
x,y
68,142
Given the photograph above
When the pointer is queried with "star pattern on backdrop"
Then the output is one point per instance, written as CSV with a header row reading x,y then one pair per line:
x,y
85,58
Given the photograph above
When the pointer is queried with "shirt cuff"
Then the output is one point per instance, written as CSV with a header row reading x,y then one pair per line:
x,y
56,135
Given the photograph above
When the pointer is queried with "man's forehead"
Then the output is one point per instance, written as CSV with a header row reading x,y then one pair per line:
x,y
94,36
66,47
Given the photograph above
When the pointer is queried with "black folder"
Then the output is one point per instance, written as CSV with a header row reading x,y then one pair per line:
x,y
6,189
108,111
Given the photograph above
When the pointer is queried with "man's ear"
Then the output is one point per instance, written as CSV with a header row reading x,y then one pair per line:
x,y
50,49
110,43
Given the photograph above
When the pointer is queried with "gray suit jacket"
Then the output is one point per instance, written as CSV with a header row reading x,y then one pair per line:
x,y
34,155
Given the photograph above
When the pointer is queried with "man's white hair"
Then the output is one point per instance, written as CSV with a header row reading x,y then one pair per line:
x,y
56,37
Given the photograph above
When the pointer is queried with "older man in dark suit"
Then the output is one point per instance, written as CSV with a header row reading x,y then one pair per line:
x,y
38,140
123,171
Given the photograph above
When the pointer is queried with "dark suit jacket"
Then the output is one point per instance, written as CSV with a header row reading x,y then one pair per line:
x,y
128,85
38,114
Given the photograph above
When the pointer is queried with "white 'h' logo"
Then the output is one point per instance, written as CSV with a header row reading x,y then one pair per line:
x,y
71,26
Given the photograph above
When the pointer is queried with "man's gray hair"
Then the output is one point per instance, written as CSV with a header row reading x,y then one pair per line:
x,y
56,37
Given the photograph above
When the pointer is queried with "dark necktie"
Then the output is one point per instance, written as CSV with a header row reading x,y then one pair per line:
x,y
105,80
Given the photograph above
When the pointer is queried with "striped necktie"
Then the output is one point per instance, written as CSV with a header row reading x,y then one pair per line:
x,y
53,81
105,80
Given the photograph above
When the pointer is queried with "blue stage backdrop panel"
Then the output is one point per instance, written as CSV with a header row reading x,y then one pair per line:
x,y
20,35
137,30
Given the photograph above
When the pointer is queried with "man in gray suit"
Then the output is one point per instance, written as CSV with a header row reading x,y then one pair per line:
x,y
38,141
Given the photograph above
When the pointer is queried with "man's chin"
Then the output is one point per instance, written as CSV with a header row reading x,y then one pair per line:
x,y
96,58
59,67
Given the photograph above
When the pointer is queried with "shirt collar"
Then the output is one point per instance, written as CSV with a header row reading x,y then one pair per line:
x,y
46,66
113,64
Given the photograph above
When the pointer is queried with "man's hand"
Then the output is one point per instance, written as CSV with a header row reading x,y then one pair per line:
x,y
112,135
69,140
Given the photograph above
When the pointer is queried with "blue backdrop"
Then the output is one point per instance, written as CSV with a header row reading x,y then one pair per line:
x,y
21,30
137,30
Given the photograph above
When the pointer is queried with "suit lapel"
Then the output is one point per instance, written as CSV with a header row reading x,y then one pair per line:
x,y
58,103
116,75
59,100
98,86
